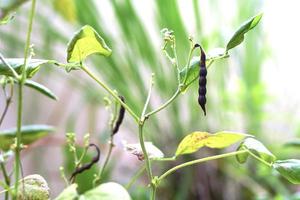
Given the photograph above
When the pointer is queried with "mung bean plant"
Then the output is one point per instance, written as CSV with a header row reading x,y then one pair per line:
x,y
16,73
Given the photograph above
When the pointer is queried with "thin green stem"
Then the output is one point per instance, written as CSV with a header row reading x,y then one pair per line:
x,y
6,179
26,49
177,92
192,48
135,177
148,97
193,162
20,99
146,157
259,159
164,159
91,74
19,137
101,171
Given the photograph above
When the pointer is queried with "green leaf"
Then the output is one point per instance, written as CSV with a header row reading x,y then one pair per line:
x,y
16,63
196,140
290,169
86,42
257,148
70,193
238,36
193,73
30,133
107,191
41,88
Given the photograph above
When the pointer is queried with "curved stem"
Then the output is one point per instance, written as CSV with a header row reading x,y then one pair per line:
x,y
146,157
177,92
259,159
135,177
148,97
91,74
186,164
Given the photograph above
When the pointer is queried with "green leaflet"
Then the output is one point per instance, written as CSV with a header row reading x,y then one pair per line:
x,y
84,43
30,133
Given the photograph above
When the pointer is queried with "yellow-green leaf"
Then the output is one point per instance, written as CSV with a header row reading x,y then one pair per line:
x,y
86,42
30,133
196,140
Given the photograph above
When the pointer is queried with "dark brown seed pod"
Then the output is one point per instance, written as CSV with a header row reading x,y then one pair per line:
x,y
86,166
202,81
120,117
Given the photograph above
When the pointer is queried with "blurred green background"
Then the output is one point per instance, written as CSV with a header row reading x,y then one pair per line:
x,y
254,91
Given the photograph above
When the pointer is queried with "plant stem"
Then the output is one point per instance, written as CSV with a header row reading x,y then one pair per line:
x,y
111,145
6,178
148,98
259,159
135,177
186,164
26,49
146,157
20,99
19,137
177,92
91,74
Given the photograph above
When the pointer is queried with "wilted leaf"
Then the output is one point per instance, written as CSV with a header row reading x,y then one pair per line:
x,y
30,133
136,149
290,169
41,88
16,63
196,140
86,42
107,191
70,193
34,187
238,36
257,148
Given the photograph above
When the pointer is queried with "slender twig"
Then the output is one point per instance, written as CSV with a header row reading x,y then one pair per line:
x,y
8,100
186,164
111,144
177,92
91,74
135,177
259,159
6,179
148,97
20,100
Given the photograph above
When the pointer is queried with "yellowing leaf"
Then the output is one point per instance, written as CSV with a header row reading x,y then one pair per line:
x,y
86,42
196,140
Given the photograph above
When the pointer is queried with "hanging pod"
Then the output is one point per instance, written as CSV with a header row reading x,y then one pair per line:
x,y
202,80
